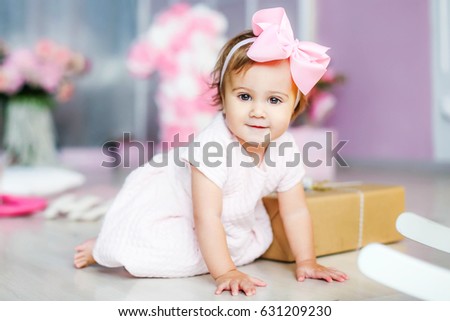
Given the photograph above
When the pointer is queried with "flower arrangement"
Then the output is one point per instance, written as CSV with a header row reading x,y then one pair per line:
x,y
31,82
182,46
42,73
321,100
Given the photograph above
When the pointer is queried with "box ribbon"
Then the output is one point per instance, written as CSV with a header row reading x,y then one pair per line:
x,y
343,186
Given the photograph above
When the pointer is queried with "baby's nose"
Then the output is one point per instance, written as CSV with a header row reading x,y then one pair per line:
x,y
257,109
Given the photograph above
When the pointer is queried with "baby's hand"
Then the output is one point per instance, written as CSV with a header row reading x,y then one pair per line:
x,y
310,269
235,281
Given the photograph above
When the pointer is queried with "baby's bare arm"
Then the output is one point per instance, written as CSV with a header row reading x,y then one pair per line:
x,y
207,203
298,226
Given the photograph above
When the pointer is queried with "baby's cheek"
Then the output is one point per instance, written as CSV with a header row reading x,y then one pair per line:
x,y
284,123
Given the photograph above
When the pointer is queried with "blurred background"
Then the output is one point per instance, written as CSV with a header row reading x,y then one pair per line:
x,y
389,93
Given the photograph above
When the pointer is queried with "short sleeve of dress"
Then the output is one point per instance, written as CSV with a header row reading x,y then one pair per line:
x,y
292,164
207,152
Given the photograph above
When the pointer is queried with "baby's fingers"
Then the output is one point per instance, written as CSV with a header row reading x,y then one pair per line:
x,y
301,276
222,287
322,275
257,281
248,288
335,274
338,276
234,287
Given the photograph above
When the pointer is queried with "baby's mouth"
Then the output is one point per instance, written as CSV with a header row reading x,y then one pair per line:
x,y
257,126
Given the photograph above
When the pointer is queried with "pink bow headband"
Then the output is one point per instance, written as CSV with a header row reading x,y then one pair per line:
x,y
275,41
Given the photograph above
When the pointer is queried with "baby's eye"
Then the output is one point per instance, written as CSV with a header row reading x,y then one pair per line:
x,y
274,100
244,97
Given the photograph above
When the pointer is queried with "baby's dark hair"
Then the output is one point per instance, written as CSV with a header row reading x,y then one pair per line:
x,y
240,62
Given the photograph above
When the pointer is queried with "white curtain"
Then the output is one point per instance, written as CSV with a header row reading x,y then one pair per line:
x,y
102,107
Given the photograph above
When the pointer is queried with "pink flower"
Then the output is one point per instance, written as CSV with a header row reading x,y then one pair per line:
x,y
48,76
49,50
181,130
23,60
141,60
36,72
78,64
45,49
65,92
47,67
62,56
175,12
321,107
10,79
329,76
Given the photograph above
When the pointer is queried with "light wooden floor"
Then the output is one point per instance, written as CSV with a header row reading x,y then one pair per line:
x,y
36,254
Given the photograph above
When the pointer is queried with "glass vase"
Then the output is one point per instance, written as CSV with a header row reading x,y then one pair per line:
x,y
29,136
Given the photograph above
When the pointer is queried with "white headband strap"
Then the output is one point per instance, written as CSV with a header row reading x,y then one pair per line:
x,y
231,53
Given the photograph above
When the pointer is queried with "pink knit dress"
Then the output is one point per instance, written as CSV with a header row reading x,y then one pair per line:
x,y
150,227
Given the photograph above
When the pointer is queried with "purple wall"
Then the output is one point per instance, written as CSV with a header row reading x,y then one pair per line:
x,y
383,47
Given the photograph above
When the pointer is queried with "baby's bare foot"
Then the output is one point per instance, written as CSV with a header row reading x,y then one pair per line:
x,y
83,256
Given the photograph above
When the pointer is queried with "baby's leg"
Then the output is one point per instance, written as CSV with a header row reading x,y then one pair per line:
x,y
83,256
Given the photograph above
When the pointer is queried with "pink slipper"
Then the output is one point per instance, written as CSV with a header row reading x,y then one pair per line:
x,y
11,206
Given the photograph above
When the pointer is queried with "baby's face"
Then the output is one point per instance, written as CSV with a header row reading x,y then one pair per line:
x,y
260,101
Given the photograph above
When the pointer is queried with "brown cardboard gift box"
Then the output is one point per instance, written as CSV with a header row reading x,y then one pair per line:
x,y
336,219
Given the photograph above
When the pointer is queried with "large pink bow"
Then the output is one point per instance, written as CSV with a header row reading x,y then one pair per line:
x,y
275,41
